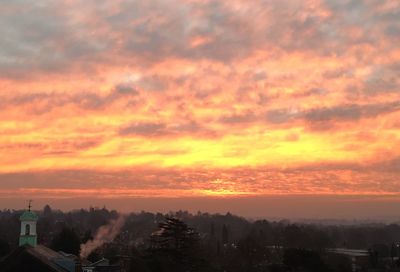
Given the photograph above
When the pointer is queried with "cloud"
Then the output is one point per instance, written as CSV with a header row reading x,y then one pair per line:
x,y
246,117
320,116
124,88
157,129
44,37
350,112
44,102
144,129
380,80
327,178
224,91
55,147
153,83
280,116
324,115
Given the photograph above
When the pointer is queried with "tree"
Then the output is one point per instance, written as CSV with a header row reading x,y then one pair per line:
x,y
225,234
212,230
87,236
47,211
174,234
173,247
303,259
67,240
4,248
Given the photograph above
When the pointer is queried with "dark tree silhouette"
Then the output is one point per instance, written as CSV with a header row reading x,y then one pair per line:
x,y
4,247
87,236
225,234
47,211
303,259
67,240
174,247
174,234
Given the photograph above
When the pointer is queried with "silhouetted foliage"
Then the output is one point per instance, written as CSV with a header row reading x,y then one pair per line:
x,y
174,234
225,234
67,240
174,245
338,262
304,260
4,248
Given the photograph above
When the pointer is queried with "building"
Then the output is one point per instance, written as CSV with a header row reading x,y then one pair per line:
x,y
28,234
31,257
28,258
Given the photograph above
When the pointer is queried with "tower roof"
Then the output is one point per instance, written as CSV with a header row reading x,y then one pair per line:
x,y
28,216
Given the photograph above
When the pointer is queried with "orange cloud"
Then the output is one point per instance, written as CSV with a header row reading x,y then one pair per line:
x,y
238,98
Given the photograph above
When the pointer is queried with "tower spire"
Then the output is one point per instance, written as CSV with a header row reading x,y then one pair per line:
x,y
28,227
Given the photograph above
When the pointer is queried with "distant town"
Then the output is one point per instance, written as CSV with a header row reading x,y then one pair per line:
x,y
98,239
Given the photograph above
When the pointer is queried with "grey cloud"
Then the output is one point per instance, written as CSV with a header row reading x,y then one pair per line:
x,y
169,37
391,165
144,129
311,92
261,75
337,73
385,166
153,83
280,116
382,79
320,118
350,112
125,88
393,31
238,118
71,146
166,129
316,91
41,103
42,36
39,36
317,118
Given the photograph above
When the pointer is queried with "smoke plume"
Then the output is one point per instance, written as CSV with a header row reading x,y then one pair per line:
x,y
104,234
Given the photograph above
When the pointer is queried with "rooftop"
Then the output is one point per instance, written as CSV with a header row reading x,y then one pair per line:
x,y
28,216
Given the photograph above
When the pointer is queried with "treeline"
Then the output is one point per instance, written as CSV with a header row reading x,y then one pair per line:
x,y
182,241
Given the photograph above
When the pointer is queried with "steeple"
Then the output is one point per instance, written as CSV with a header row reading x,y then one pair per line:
x,y
28,227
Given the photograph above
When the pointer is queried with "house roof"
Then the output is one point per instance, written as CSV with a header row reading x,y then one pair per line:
x,y
39,258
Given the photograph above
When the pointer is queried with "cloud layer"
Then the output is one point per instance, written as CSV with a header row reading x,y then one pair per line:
x,y
175,98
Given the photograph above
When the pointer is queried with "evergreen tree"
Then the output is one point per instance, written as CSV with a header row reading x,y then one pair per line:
x,y
174,234
174,247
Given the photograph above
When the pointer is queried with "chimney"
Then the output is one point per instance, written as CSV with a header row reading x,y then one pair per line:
x,y
78,265
126,263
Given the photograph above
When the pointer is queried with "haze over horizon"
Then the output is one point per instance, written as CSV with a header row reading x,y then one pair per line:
x,y
261,108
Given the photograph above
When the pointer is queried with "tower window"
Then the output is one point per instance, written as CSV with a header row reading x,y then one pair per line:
x,y
27,229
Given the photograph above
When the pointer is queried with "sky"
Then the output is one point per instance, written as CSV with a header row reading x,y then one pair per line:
x,y
258,107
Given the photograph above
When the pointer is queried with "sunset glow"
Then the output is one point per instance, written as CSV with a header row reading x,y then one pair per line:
x,y
199,98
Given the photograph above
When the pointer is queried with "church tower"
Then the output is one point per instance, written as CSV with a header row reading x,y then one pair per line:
x,y
28,227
